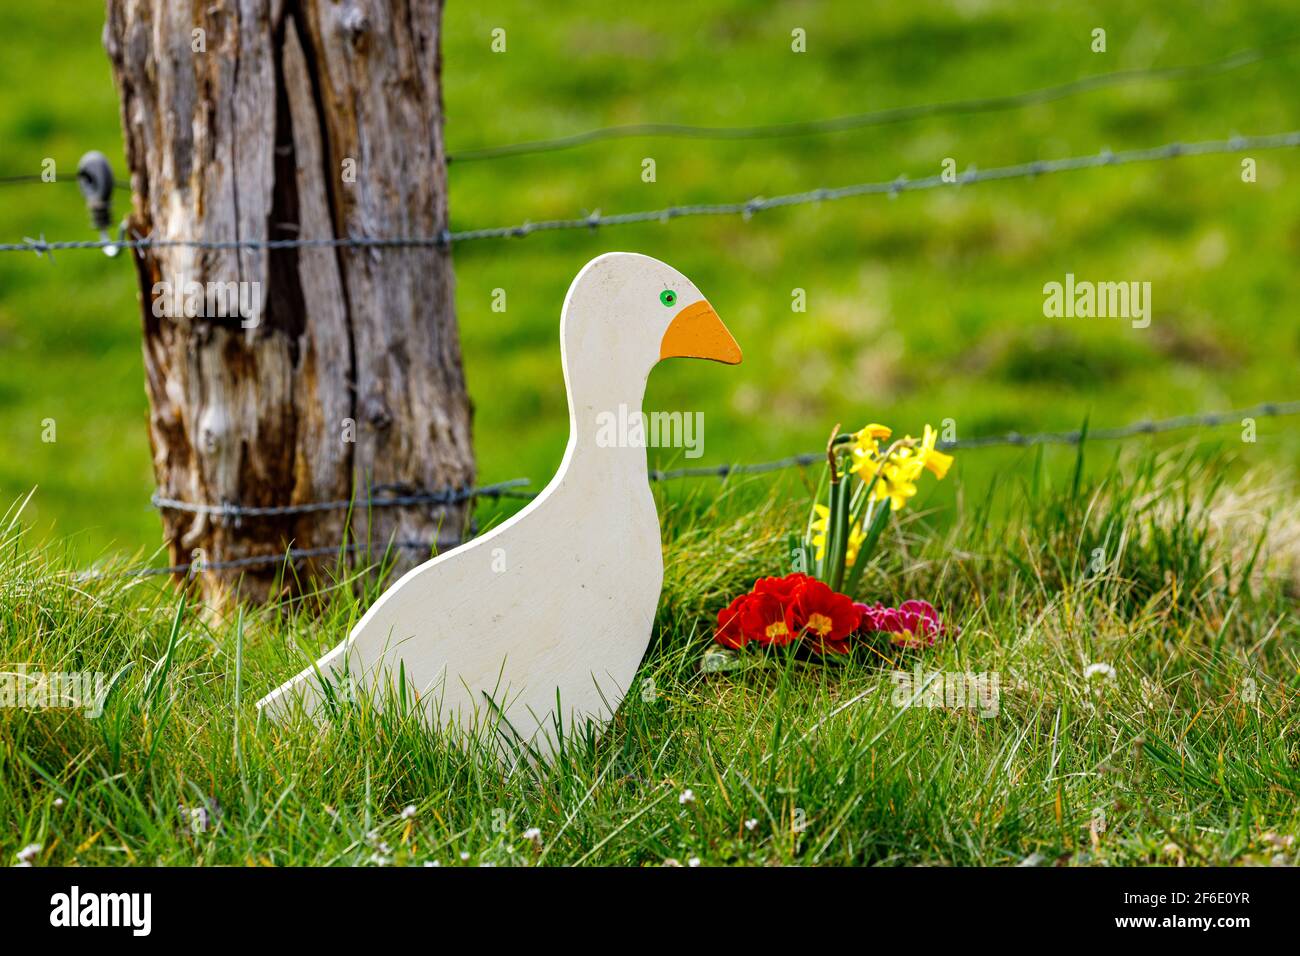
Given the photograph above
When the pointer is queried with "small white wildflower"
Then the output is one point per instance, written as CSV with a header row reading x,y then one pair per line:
x,y
1097,677
534,836
1092,670
58,802
433,862
464,856
693,861
409,813
686,796
751,823
28,853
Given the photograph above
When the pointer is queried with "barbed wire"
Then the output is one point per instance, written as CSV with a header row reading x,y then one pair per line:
x,y
446,496
22,179
1207,420
896,186
883,117
747,208
510,488
834,124
257,560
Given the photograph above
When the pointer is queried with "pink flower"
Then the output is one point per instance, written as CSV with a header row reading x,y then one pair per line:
x,y
912,624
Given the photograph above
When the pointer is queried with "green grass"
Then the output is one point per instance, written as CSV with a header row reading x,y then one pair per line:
x,y
1189,755
920,309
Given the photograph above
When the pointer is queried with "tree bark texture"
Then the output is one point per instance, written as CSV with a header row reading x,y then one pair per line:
x,y
266,119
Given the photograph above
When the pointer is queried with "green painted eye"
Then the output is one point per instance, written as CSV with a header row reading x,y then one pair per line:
x,y
668,297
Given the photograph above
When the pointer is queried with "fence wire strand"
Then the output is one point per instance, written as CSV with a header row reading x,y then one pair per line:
x,y
883,117
836,124
24,179
1208,420
445,496
747,208
513,487
286,557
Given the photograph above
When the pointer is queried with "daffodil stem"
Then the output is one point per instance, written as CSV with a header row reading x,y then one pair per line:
x,y
837,543
817,567
876,521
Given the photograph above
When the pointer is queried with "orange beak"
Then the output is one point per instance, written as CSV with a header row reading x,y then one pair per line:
x,y
697,332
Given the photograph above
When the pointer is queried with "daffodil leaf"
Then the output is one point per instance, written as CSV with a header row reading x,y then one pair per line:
x,y
868,547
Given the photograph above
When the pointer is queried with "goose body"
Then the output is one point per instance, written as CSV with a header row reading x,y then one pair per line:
x,y
535,629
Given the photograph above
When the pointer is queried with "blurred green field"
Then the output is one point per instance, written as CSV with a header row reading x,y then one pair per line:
x,y
919,309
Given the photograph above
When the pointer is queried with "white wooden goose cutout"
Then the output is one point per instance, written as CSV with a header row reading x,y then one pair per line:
x,y
556,603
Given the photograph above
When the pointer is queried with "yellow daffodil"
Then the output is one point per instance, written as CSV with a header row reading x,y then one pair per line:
x,y
818,528
897,480
865,439
890,471
936,461
856,537
863,463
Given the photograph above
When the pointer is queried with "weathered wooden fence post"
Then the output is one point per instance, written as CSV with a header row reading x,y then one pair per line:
x,y
337,370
